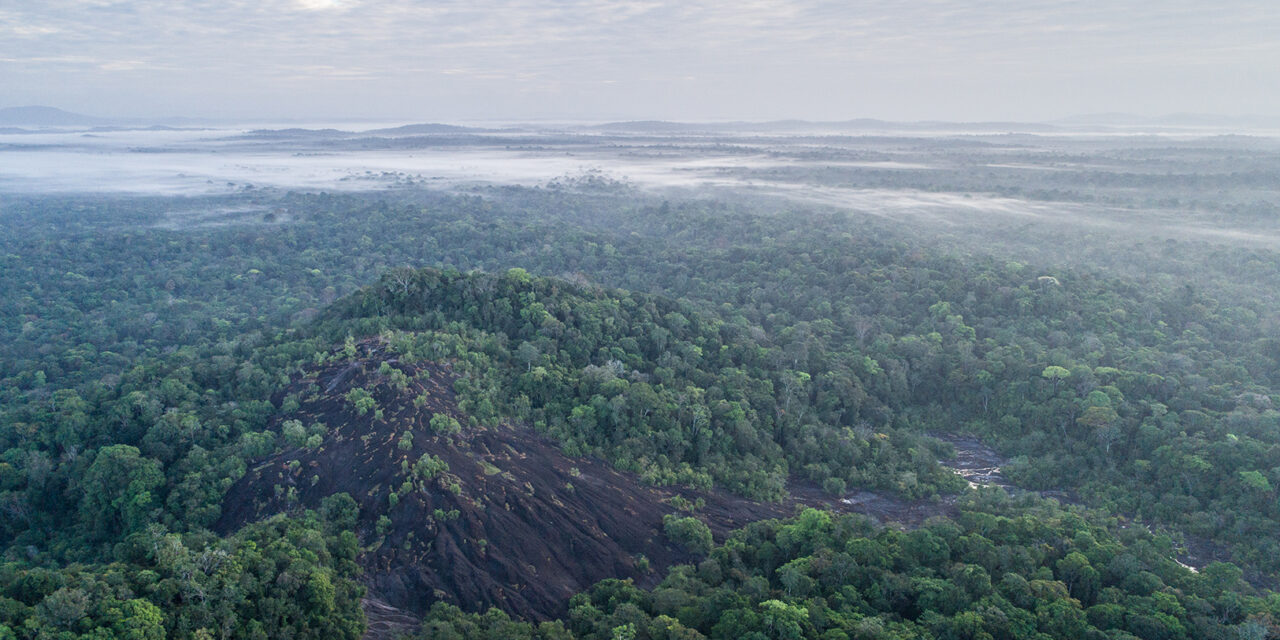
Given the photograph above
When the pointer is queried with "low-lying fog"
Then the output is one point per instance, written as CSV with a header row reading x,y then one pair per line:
x,y
1183,181
203,161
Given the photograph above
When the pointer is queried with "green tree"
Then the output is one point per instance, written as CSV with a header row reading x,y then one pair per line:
x,y
1055,375
689,532
119,486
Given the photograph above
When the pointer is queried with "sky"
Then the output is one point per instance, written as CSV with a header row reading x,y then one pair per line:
x,y
478,60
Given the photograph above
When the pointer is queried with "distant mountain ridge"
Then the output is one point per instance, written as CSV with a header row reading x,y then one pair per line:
x,y
800,126
37,116
42,116
422,129
426,128
46,116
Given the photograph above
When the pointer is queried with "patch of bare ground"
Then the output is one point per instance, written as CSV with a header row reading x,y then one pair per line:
x,y
385,622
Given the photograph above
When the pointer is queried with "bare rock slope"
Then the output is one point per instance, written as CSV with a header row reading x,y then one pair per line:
x,y
483,517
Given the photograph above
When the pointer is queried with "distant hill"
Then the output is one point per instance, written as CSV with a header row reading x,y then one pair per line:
x,y
297,132
656,126
425,129
329,134
41,116
660,127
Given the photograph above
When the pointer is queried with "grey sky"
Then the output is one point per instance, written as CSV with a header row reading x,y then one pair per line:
x,y
597,59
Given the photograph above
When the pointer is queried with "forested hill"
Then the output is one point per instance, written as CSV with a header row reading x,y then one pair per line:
x,y
594,368
658,387
930,344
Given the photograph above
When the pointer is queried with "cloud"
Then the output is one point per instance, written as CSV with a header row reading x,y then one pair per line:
x,y
326,5
753,57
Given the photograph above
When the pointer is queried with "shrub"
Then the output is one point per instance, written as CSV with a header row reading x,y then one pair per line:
x,y
690,533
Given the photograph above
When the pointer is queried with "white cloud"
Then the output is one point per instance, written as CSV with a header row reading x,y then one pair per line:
x,y
754,58
325,5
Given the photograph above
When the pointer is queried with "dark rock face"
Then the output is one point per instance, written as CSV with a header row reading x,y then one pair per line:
x,y
513,523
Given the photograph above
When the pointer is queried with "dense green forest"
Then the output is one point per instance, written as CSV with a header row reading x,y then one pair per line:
x,y
696,343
